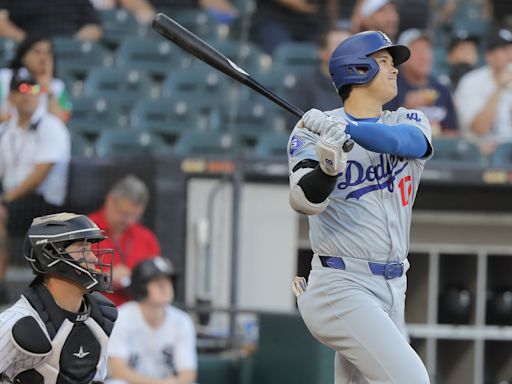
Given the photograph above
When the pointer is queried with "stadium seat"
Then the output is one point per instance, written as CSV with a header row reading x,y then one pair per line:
x,y
202,81
195,20
118,24
76,58
155,57
251,120
203,144
7,51
246,55
502,156
272,144
125,86
166,117
127,143
451,149
92,115
279,80
80,146
217,369
296,56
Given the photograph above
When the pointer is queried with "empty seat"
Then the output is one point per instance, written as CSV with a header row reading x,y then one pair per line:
x,y
296,56
166,117
118,24
195,20
125,86
80,146
92,115
272,144
77,58
250,119
155,57
126,142
202,81
452,149
203,144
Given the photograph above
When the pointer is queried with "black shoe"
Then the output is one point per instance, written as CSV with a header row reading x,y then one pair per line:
x,y
4,296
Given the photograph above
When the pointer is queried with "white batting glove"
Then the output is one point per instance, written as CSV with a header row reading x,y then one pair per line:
x,y
317,121
329,150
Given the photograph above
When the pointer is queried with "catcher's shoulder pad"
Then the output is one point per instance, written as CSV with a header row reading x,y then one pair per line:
x,y
103,311
30,338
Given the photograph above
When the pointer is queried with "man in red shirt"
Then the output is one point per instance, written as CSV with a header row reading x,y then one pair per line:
x,y
132,242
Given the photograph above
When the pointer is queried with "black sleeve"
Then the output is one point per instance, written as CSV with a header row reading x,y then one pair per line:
x,y
316,185
88,15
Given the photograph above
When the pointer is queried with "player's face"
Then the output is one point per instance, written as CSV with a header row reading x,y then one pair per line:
x,y
383,86
25,99
82,251
160,291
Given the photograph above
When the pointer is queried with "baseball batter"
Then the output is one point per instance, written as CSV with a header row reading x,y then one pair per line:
x,y
359,206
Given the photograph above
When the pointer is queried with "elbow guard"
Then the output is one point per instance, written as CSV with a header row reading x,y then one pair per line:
x,y
301,204
298,200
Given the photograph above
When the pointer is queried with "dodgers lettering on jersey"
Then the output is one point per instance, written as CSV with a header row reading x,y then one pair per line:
x,y
369,213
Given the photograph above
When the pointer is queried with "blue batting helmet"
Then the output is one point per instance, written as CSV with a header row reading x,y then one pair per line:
x,y
352,54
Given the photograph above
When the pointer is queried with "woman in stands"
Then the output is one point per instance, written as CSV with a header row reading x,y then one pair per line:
x,y
36,54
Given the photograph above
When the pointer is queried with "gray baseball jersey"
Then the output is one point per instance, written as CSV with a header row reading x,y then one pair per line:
x,y
369,214
358,313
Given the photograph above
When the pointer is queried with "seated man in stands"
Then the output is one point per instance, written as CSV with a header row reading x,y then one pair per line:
x,y
418,89
119,217
152,341
34,157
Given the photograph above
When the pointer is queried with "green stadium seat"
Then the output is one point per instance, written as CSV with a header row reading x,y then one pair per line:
x,y
195,20
279,80
128,143
155,57
272,144
193,143
202,81
92,115
168,118
502,156
296,56
452,149
125,86
246,55
76,58
251,120
217,369
287,353
80,146
118,24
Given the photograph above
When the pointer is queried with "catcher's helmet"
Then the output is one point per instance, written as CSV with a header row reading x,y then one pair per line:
x,y
351,56
147,270
49,236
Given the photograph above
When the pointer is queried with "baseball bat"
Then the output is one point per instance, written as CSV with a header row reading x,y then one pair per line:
x,y
197,47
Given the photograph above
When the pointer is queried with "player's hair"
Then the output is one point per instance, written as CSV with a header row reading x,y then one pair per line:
x,y
131,188
345,92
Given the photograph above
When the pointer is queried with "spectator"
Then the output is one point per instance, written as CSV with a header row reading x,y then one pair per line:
x,y
484,96
280,21
376,15
502,12
36,54
124,205
152,341
418,89
51,18
34,157
462,56
320,92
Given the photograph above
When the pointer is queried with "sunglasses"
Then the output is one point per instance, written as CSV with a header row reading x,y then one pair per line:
x,y
29,89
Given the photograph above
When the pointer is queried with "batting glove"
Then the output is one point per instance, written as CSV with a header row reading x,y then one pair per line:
x,y
329,150
317,121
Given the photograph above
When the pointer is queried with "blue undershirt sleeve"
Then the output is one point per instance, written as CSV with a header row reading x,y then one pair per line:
x,y
401,140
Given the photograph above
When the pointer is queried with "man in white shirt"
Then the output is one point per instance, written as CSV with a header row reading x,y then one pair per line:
x,y
483,97
152,341
34,157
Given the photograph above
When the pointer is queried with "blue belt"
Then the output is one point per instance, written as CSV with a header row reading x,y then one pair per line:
x,y
388,270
